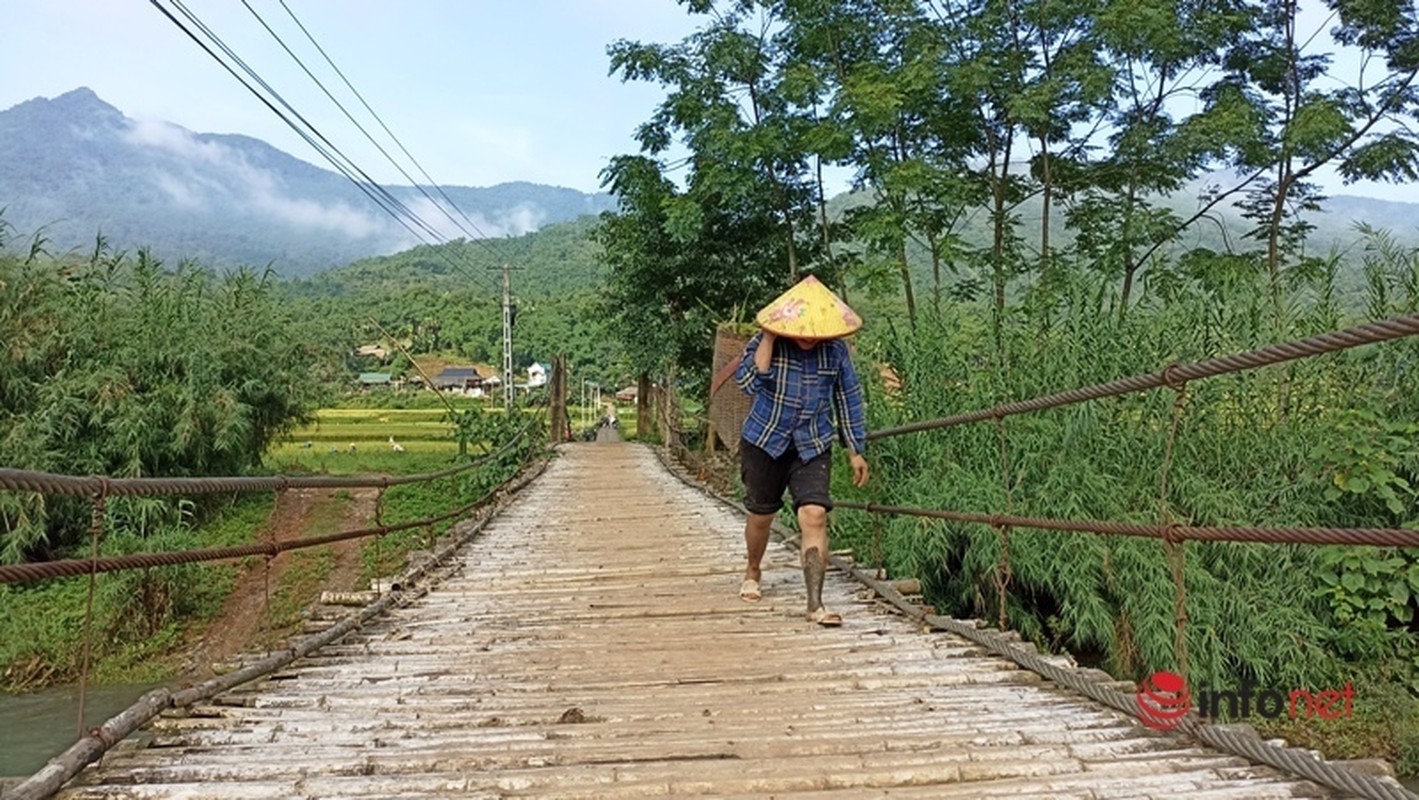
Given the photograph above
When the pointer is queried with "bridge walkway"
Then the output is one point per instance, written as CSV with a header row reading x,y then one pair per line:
x,y
590,644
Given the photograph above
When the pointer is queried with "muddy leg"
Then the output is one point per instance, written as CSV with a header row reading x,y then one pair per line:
x,y
813,569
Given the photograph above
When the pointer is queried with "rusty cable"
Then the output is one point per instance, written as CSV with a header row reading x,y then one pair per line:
x,y
1371,333
1375,537
20,480
1002,565
1226,738
16,573
379,523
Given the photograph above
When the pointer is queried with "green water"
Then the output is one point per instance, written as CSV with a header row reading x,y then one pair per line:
x,y
38,726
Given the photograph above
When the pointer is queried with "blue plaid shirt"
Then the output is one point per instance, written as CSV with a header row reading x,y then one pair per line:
x,y
792,400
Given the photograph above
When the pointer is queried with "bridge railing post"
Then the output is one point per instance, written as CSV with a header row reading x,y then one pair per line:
x,y
97,522
1002,531
1173,545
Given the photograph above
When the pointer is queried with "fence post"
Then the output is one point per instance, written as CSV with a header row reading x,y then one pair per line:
x,y
560,425
378,523
97,522
1002,566
877,539
1173,547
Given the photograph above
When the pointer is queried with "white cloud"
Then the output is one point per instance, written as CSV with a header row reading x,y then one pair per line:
x,y
215,169
306,213
525,219
179,191
177,140
451,224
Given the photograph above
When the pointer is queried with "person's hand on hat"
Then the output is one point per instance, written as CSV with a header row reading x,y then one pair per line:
x,y
763,357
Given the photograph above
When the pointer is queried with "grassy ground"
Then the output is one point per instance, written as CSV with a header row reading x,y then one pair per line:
x,y
309,569
41,627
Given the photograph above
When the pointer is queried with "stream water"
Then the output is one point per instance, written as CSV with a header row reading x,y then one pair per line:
x,y
38,726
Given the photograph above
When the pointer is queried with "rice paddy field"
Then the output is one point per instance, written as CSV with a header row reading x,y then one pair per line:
x,y
343,441
351,440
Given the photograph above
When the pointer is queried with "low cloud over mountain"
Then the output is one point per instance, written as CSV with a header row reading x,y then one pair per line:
x,y
74,167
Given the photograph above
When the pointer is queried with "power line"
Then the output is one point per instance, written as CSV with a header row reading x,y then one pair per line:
x,y
375,186
437,187
347,166
391,205
328,150
482,237
346,111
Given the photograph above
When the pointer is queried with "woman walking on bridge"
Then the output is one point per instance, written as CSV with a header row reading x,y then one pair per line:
x,y
800,374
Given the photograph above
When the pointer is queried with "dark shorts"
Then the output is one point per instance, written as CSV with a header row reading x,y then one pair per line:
x,y
765,478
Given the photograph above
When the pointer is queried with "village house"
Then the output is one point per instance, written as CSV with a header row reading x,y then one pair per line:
x,y
474,381
460,379
375,380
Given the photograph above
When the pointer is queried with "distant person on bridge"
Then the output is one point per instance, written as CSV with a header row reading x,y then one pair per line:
x,y
800,374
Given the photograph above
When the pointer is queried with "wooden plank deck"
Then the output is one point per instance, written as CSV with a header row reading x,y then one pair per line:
x,y
593,646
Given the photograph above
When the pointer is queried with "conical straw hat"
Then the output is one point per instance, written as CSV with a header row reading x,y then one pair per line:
x,y
809,311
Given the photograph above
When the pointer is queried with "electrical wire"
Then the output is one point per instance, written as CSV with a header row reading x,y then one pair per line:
x,y
375,186
482,238
309,133
327,149
435,184
346,112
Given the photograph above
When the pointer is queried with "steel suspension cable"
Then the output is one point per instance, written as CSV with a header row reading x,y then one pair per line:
x,y
1174,374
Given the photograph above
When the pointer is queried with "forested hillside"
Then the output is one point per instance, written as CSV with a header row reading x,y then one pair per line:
x,y
446,300
556,260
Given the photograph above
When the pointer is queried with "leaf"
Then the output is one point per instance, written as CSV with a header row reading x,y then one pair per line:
x,y
1399,594
1352,581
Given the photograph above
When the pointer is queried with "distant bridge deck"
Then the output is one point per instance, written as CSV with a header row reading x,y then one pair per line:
x,y
593,645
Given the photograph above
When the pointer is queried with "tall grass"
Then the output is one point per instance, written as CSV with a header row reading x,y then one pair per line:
x,y
1322,442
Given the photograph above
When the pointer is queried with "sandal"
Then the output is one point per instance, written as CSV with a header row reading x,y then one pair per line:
x,y
749,591
824,617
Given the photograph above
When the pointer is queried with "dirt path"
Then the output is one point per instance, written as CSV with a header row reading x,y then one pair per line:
x,y
243,617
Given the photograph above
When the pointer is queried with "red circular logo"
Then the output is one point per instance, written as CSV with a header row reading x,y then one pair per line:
x,y
1163,701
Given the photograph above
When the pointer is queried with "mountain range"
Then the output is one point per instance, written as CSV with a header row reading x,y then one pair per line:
x,y
73,168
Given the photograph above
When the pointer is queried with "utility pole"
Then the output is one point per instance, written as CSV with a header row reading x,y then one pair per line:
x,y
507,339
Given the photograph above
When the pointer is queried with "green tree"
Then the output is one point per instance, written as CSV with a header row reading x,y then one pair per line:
x,y
1310,120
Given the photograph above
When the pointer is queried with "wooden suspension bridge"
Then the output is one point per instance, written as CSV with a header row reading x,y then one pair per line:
x,y
590,643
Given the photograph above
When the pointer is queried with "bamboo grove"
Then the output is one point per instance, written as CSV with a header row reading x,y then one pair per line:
x,y
1038,190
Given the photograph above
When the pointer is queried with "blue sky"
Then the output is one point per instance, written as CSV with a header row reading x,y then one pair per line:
x,y
479,91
